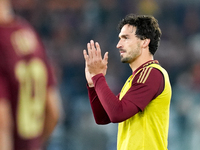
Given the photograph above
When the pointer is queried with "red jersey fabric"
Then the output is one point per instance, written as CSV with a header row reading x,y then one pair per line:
x,y
108,108
19,43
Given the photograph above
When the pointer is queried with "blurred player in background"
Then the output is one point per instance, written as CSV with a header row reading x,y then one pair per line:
x,y
142,106
28,96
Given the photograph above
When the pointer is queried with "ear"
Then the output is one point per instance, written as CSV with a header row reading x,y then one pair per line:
x,y
145,43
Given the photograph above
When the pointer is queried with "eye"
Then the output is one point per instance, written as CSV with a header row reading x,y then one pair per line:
x,y
123,37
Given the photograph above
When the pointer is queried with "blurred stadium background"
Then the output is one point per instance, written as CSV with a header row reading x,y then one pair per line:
x,y
65,27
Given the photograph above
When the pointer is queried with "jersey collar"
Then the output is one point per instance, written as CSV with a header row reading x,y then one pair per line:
x,y
146,64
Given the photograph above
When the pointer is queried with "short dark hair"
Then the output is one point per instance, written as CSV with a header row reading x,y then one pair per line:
x,y
147,27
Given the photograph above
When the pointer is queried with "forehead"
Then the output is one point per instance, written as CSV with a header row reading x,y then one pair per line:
x,y
127,30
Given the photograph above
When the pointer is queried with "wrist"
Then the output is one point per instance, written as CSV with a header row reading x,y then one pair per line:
x,y
91,85
92,75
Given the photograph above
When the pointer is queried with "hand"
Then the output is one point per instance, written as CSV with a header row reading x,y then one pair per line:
x,y
88,76
94,64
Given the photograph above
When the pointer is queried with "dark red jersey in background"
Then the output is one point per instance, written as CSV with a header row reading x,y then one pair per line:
x,y
25,75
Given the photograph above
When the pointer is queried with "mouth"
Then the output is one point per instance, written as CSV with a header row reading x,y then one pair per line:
x,y
121,51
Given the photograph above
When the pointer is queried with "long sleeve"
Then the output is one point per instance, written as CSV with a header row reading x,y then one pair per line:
x,y
117,110
136,99
99,113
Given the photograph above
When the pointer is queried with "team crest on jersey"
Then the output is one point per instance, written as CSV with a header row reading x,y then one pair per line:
x,y
24,41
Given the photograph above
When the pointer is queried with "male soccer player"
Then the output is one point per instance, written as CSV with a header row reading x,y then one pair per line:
x,y
28,96
142,106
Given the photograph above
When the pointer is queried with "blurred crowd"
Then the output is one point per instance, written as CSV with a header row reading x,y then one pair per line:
x,y
66,26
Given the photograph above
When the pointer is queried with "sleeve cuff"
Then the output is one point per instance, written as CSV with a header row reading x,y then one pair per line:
x,y
96,78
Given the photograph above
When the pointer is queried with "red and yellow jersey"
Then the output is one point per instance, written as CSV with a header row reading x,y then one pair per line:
x,y
148,129
25,75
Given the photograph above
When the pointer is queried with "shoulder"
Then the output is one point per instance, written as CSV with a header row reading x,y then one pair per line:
x,y
152,79
148,74
20,20
22,23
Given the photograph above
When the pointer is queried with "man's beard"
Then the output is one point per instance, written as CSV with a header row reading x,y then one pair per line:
x,y
125,60
131,56
129,59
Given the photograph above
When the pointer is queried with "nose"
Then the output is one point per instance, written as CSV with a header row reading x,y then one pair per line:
x,y
119,45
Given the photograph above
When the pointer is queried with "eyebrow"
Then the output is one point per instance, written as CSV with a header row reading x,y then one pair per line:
x,y
123,35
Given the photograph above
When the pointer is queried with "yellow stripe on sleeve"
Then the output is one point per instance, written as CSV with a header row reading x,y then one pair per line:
x,y
144,75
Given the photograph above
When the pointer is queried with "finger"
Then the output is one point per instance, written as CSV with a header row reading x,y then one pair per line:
x,y
98,50
93,49
89,50
85,54
105,58
92,45
86,57
88,46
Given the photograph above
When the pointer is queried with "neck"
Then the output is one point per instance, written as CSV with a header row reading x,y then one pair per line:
x,y
6,12
140,60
